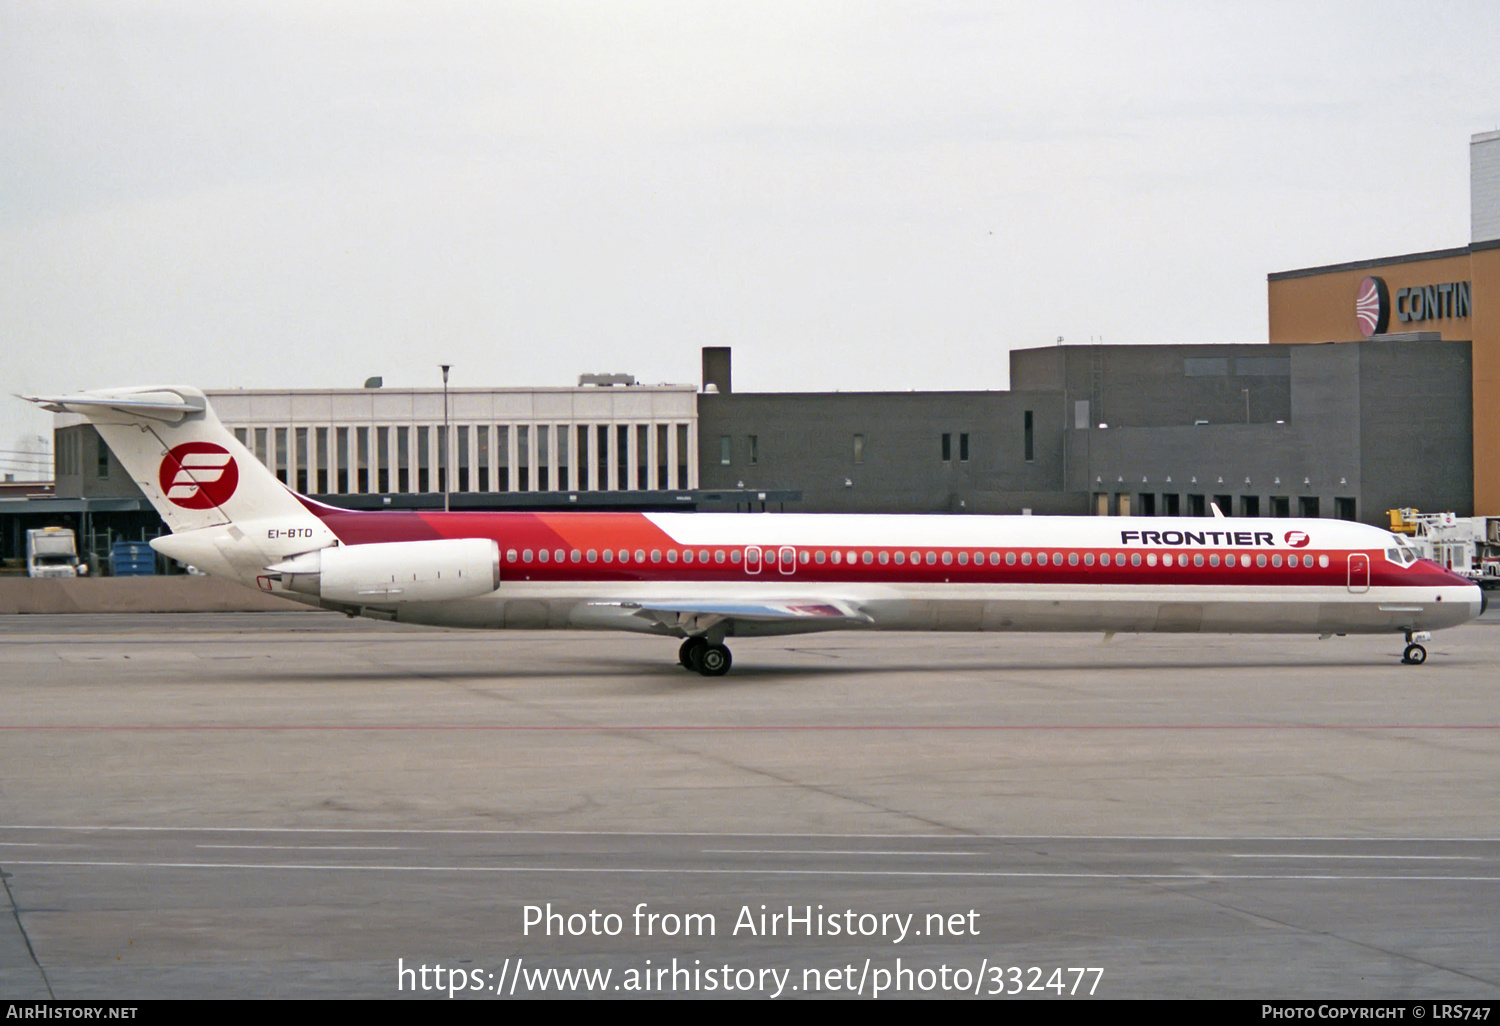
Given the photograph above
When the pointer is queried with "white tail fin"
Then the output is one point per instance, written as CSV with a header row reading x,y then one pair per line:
x,y
199,477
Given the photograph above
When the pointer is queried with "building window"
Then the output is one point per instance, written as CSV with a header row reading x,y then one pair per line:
x,y
1281,506
299,439
281,455
1249,505
724,450
502,458
947,448
1170,504
859,448
102,469
1343,509
963,447
341,454
1027,446
1307,506
422,465
1148,504
754,449
320,436
523,458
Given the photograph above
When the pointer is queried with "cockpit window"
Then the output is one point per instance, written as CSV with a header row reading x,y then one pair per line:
x,y
1402,554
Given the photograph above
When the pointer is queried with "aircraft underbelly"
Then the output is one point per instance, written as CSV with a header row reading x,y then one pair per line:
x,y
541,606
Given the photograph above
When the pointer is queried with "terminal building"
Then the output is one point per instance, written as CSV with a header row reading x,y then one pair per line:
x,y
1448,294
1372,394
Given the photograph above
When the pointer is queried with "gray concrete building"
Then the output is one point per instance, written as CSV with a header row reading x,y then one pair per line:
x,y
892,452
1345,431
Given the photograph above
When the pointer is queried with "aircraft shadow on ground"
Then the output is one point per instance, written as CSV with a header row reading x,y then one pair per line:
x,y
748,671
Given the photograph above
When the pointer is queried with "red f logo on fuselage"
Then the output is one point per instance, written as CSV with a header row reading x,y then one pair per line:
x,y
198,475
1298,539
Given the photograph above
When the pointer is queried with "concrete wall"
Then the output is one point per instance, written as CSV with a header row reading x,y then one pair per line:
x,y
177,594
808,442
1160,386
1385,424
78,474
1415,436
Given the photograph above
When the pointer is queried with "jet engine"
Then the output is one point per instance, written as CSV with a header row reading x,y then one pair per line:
x,y
392,572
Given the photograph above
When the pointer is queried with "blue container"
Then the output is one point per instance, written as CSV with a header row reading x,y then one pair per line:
x,y
132,559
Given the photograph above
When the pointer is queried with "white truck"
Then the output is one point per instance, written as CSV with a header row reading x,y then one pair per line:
x,y
1466,545
53,552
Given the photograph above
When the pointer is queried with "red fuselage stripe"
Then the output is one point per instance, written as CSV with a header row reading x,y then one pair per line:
x,y
522,537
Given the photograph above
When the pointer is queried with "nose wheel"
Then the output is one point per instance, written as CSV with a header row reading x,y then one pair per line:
x,y
1414,654
698,655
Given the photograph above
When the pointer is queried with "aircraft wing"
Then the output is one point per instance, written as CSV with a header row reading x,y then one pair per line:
x,y
697,614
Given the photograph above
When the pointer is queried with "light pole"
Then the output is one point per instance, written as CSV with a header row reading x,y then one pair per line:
x,y
446,433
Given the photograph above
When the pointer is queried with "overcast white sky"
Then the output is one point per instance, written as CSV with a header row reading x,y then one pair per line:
x,y
864,195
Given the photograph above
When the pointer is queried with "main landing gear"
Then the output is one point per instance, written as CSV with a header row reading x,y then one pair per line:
x,y
699,655
1415,654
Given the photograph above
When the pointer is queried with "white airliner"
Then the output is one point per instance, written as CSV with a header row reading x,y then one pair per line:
x,y
704,577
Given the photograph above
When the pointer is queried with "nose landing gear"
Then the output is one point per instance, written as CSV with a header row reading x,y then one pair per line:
x,y
1415,654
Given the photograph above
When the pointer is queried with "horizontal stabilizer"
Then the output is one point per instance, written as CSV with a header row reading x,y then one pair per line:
x,y
155,404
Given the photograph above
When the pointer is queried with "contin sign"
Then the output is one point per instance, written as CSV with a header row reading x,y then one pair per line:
x,y
198,475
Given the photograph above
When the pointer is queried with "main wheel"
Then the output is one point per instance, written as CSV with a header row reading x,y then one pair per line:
x,y
714,661
1415,655
688,654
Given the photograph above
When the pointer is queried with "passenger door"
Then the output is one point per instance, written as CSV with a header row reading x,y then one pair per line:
x,y
1359,572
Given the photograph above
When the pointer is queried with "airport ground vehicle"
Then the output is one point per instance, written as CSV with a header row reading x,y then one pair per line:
x,y
53,552
703,578
1469,546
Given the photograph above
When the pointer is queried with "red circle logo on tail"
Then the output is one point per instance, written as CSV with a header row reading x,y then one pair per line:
x,y
198,475
1298,539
